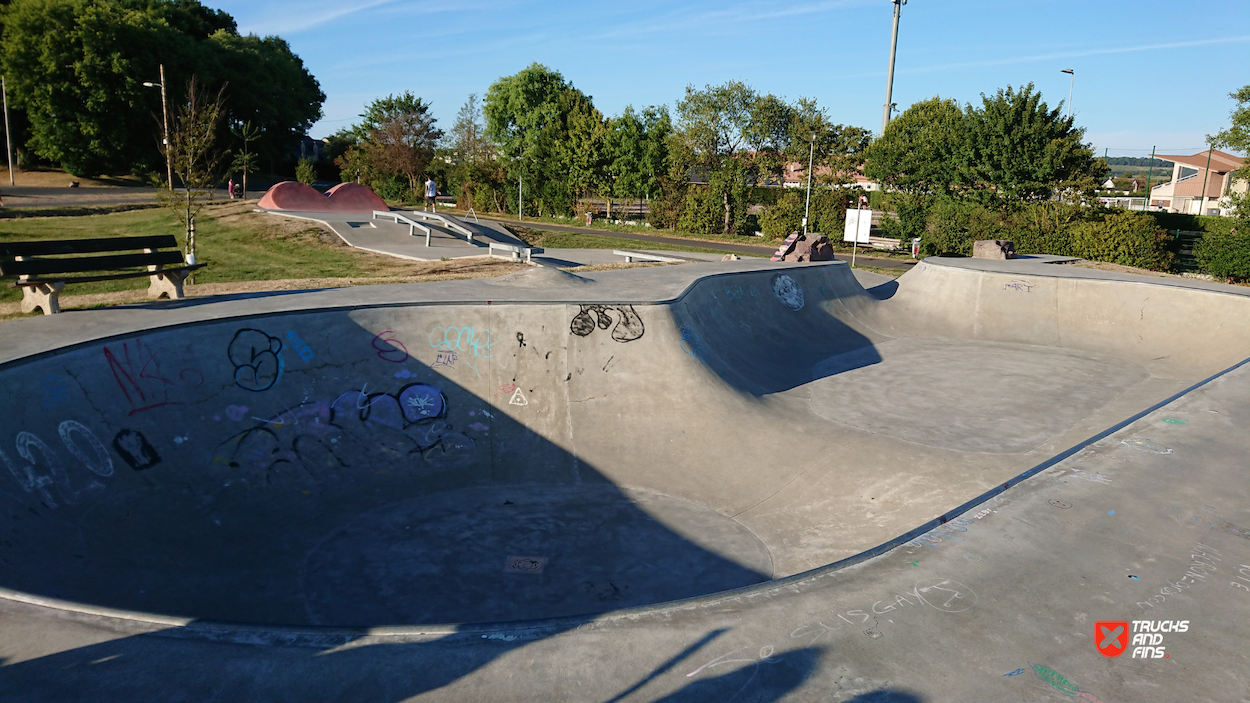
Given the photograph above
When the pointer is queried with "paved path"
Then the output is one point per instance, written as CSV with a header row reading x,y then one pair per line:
x,y
743,249
393,239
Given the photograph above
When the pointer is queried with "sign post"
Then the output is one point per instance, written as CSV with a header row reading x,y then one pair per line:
x,y
858,227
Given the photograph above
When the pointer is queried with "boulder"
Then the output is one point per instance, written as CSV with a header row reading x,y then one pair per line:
x,y
994,249
806,247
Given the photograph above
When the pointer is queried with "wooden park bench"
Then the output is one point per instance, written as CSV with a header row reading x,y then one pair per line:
x,y
42,267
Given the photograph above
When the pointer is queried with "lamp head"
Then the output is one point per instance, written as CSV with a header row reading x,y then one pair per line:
x,y
1068,71
150,84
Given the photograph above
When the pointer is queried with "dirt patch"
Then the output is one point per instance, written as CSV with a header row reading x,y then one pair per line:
x,y
613,267
478,267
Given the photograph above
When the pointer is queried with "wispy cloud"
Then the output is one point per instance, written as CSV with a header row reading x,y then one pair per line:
x,y
1079,53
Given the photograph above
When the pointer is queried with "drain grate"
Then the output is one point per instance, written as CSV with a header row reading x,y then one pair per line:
x,y
525,565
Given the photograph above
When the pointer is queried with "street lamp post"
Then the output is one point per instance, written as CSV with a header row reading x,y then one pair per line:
x,y
807,209
1071,83
169,165
889,76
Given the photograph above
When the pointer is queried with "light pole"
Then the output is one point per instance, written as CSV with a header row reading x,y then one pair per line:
x,y
169,165
889,76
8,141
807,209
1071,83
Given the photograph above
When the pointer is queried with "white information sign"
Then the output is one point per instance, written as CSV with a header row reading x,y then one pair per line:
x,y
858,225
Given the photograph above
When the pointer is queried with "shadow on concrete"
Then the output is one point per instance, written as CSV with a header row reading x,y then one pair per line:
x,y
762,334
163,667
212,472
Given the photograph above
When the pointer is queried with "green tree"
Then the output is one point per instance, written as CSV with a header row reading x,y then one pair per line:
x,y
194,155
1236,137
400,136
917,154
714,126
76,70
638,151
547,132
1016,149
245,161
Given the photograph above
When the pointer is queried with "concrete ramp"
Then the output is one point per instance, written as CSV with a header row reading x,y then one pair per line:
x,y
746,480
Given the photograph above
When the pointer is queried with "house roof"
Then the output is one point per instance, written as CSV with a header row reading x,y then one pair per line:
x,y
1221,161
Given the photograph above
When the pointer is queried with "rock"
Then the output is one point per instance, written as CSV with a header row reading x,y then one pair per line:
x,y
994,249
730,257
807,247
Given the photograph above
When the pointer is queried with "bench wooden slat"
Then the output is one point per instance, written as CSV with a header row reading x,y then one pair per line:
x,y
103,277
49,247
43,267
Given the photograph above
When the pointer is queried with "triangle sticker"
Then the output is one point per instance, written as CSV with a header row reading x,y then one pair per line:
x,y
518,399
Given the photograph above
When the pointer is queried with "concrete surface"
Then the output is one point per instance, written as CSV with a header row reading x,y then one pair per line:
x,y
392,238
949,479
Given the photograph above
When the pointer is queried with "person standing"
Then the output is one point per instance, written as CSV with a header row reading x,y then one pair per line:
x,y
230,187
431,190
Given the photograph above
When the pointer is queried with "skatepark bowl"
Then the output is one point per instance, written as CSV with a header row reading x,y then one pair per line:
x,y
547,477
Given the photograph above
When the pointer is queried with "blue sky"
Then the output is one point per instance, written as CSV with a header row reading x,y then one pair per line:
x,y
1147,72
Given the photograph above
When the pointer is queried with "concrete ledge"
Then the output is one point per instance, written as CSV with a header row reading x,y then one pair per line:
x,y
632,256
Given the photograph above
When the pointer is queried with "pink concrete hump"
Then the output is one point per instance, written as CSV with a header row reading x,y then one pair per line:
x,y
354,197
344,197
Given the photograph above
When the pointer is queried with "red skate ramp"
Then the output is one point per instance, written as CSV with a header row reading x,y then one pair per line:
x,y
344,197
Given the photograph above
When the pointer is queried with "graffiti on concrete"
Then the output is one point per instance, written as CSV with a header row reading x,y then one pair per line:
x,y
464,340
143,384
257,359
389,348
135,450
690,344
44,470
53,390
627,328
788,291
354,430
301,347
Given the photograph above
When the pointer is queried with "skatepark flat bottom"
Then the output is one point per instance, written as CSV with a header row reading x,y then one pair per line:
x,y
549,487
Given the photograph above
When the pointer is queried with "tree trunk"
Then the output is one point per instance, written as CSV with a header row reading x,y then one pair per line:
x,y
609,200
725,197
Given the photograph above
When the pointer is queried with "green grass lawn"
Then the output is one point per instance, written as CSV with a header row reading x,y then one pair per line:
x,y
236,245
555,239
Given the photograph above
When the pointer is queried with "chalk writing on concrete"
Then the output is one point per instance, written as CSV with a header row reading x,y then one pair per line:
x,y
45,472
463,339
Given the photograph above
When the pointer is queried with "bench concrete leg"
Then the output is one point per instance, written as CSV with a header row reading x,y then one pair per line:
x,y
167,283
44,295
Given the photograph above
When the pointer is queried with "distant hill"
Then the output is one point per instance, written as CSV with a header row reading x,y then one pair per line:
x,y
1142,161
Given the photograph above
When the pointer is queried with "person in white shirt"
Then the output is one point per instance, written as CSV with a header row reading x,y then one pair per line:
x,y
431,190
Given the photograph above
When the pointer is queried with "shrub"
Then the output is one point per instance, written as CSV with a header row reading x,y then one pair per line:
x,y
306,171
1124,237
1225,254
702,213
786,216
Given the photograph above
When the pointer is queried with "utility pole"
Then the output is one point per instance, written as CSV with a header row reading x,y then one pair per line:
x,y
807,209
520,204
169,164
889,76
8,140
1202,199
1071,84
1149,172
